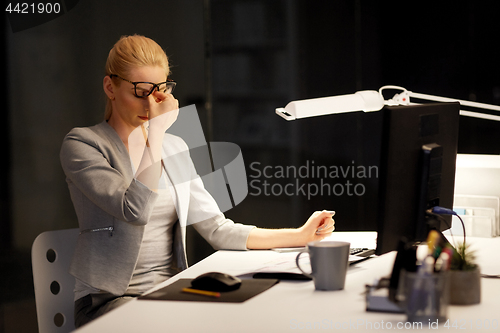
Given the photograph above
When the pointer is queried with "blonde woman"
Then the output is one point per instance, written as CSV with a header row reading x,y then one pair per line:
x,y
131,207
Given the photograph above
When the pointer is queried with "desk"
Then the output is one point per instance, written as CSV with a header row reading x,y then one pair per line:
x,y
295,306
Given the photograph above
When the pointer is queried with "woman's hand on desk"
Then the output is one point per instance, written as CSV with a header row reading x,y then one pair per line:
x,y
318,226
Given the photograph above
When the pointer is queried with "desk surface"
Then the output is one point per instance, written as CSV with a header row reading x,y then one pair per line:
x,y
292,306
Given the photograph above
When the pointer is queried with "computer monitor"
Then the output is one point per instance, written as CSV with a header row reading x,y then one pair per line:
x,y
417,171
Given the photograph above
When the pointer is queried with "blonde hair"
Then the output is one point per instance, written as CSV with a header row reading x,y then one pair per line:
x,y
133,51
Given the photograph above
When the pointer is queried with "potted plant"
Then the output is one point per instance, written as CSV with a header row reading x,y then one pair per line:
x,y
465,277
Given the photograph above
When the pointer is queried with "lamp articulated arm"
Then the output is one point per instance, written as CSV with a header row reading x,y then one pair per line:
x,y
404,97
371,100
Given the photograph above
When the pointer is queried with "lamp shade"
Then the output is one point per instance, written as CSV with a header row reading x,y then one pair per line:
x,y
366,100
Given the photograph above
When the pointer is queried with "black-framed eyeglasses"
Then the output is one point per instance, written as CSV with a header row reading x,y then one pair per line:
x,y
144,89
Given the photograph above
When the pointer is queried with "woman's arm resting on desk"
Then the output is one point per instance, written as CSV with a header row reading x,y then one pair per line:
x,y
272,238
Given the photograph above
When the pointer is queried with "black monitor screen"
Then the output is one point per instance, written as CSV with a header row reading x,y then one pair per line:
x,y
417,170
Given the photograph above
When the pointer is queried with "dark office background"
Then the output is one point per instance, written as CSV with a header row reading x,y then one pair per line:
x,y
237,61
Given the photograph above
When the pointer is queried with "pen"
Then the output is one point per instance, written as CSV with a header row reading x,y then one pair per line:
x,y
201,292
432,240
288,249
449,251
445,261
422,284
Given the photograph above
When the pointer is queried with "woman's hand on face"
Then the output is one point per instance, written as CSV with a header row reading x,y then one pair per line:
x,y
319,225
163,110
164,103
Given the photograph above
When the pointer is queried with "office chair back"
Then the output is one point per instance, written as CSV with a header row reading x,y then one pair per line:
x,y
50,257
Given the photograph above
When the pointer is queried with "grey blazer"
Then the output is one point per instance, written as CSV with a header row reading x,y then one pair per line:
x,y
113,208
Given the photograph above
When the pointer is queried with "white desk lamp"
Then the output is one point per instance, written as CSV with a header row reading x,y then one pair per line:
x,y
371,100
367,100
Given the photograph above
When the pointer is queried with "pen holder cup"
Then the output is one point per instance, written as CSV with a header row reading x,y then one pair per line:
x,y
426,296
